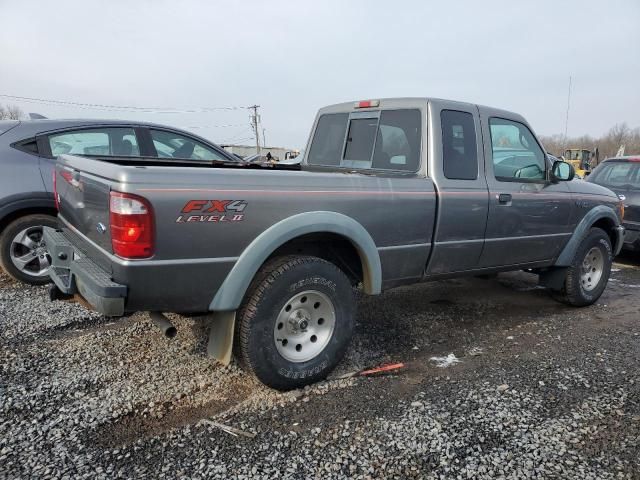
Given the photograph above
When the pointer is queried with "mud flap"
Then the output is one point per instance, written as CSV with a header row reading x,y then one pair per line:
x,y
221,336
553,278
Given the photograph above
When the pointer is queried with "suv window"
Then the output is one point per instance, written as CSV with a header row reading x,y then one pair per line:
x,y
173,145
390,142
29,146
109,141
517,157
617,175
459,149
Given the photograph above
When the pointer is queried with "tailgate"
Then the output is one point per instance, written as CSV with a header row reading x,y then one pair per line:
x,y
83,198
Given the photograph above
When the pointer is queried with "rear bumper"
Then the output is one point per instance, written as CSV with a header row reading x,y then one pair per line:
x,y
75,274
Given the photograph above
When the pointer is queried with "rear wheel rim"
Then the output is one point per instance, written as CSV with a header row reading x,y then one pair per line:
x,y
304,326
29,253
592,269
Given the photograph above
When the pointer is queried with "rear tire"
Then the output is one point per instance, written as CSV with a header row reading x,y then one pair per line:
x,y
588,274
295,322
22,254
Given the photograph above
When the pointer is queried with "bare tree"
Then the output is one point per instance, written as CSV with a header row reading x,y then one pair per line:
x,y
607,144
11,112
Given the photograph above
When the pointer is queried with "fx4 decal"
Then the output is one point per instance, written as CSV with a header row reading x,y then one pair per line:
x,y
215,211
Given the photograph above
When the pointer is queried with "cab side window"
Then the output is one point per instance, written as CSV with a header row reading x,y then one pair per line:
x,y
517,157
459,148
169,144
116,141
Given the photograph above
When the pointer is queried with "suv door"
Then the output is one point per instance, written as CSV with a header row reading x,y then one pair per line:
x,y
457,167
91,141
529,216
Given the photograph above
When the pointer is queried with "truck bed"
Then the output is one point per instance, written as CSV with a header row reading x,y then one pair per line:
x,y
205,218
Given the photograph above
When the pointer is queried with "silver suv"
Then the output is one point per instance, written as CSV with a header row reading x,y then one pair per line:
x,y
27,155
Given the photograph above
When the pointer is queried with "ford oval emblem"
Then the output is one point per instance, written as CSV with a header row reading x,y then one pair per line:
x,y
101,228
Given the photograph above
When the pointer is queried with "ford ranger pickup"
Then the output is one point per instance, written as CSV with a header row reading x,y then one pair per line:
x,y
390,192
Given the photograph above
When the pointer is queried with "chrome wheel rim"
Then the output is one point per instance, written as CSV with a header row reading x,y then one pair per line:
x,y
592,269
304,326
29,253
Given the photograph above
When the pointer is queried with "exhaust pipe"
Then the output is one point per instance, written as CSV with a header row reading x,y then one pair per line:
x,y
164,324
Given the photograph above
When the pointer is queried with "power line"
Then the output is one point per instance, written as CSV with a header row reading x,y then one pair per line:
x,y
240,136
120,108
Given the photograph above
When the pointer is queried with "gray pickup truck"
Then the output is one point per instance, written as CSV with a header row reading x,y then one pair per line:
x,y
390,192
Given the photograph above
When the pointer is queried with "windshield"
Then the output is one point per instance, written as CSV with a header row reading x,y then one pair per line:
x,y
617,175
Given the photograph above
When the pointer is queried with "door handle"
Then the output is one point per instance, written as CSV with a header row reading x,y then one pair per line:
x,y
504,198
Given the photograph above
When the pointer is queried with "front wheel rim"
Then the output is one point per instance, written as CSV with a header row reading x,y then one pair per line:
x,y
304,326
29,253
592,269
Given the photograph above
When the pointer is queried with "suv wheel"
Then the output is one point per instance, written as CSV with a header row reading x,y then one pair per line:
x,y
589,272
295,322
23,254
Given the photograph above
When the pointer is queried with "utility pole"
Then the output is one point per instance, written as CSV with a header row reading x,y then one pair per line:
x,y
255,119
566,120
264,138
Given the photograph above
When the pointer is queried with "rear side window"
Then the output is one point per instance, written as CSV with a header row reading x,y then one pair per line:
x,y
459,148
173,145
390,141
117,141
29,146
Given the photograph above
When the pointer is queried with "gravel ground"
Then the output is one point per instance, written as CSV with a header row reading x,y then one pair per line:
x,y
539,390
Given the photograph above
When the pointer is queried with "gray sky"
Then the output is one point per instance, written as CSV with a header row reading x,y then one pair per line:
x,y
293,57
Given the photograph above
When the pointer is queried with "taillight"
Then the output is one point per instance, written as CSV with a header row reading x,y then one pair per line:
x,y
131,221
55,191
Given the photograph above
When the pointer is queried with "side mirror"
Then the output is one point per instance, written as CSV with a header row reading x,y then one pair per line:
x,y
563,171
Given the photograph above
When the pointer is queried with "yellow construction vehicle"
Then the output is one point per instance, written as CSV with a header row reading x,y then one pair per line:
x,y
583,160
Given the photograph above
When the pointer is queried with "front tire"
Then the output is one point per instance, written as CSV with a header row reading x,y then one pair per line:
x,y
295,322
23,254
589,272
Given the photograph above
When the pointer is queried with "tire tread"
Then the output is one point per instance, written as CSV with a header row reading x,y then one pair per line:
x,y
264,280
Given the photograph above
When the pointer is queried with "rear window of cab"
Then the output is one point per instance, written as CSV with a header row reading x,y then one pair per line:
x,y
386,140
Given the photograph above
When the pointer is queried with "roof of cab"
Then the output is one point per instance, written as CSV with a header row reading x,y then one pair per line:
x,y
407,102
